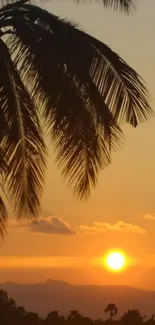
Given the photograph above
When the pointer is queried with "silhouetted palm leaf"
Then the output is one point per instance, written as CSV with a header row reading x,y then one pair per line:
x,y
123,5
126,6
83,89
86,58
85,131
23,142
3,217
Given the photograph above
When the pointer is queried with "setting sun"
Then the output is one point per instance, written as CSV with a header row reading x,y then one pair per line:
x,y
115,261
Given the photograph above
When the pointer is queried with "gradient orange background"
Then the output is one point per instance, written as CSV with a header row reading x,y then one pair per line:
x,y
126,189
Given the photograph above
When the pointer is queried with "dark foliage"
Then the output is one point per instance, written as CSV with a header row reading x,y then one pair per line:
x,y
52,71
11,314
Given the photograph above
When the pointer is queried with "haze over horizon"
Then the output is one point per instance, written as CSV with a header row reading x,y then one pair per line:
x,y
88,300
71,236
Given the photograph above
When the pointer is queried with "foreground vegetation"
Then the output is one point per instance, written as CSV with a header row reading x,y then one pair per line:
x,y
11,314
56,78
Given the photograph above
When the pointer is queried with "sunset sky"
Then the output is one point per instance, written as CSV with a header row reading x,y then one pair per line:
x,y
120,214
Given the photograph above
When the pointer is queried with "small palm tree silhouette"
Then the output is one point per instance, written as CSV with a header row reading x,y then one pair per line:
x,y
112,310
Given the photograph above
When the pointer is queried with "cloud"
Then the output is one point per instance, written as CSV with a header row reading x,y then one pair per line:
x,y
121,226
149,216
52,225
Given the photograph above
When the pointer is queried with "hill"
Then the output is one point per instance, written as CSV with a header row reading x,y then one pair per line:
x,y
89,300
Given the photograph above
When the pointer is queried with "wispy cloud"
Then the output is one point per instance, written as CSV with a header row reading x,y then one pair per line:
x,y
52,225
149,216
121,226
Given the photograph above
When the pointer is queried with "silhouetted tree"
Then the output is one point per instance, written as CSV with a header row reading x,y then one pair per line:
x,y
7,308
132,317
77,84
74,315
21,310
20,316
53,317
112,310
32,318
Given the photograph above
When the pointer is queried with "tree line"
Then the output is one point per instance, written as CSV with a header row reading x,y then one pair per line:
x,y
11,314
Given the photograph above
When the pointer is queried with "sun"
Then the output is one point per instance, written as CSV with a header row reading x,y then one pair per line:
x,y
115,261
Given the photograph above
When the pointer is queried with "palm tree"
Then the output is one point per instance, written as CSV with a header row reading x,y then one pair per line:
x,y
112,310
52,71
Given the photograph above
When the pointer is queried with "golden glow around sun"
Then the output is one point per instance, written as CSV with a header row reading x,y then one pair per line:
x,y
115,261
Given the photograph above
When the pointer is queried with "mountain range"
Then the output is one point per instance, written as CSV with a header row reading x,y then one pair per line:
x,y
89,300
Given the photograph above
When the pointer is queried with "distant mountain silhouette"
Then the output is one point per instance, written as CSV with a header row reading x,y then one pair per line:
x,y
89,300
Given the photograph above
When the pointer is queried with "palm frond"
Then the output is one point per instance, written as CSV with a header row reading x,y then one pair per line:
x,y
3,217
126,6
3,163
123,5
80,122
82,143
125,92
121,88
23,142
84,89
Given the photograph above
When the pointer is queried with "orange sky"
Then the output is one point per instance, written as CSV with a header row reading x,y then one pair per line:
x,y
121,211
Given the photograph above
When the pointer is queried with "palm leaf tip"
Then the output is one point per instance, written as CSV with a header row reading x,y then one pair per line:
x,y
126,6
124,90
3,217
